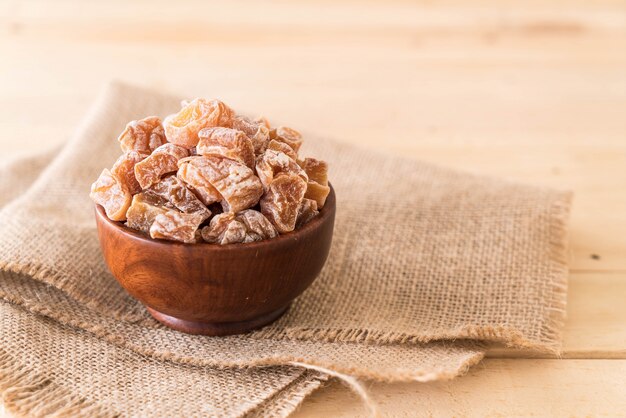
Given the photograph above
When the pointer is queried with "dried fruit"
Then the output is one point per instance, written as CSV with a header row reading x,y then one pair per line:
x,y
272,163
258,227
281,202
229,143
182,128
177,226
124,170
245,226
236,183
257,131
194,177
173,192
109,192
142,212
317,187
224,229
275,145
143,135
208,161
163,160
317,192
306,212
263,121
317,170
287,135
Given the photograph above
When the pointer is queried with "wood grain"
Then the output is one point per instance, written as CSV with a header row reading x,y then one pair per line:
x,y
595,319
214,289
530,90
495,388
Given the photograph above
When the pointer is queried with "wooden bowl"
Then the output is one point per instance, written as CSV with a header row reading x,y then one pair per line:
x,y
215,289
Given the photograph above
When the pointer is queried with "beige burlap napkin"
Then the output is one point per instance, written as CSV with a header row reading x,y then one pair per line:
x,y
420,255
50,369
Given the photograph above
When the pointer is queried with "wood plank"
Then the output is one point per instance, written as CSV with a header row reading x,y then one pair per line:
x,y
450,13
596,320
460,86
495,388
525,89
596,173
557,388
563,141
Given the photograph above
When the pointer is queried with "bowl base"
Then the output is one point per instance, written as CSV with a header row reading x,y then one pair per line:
x,y
216,328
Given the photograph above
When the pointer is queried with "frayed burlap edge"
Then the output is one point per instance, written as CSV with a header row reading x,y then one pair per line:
x,y
552,328
103,333
25,393
511,337
28,394
281,406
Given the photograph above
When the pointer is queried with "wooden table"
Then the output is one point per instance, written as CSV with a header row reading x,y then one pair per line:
x,y
530,90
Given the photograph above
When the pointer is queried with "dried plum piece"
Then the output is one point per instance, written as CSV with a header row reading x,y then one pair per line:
x,y
144,135
245,226
162,161
278,146
174,193
273,163
317,170
257,131
287,135
143,210
226,142
182,128
317,186
307,211
263,121
109,192
176,226
237,185
124,170
281,202
194,177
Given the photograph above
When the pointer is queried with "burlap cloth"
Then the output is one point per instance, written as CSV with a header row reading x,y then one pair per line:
x,y
427,265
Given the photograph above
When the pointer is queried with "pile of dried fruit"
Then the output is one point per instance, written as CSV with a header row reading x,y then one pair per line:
x,y
208,174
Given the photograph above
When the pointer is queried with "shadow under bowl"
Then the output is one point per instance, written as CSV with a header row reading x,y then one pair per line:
x,y
213,289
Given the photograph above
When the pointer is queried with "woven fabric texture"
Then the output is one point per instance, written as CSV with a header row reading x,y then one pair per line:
x,y
421,255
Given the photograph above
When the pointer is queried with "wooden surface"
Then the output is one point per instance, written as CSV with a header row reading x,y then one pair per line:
x,y
532,90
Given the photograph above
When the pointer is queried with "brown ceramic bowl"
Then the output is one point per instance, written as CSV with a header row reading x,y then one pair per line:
x,y
215,289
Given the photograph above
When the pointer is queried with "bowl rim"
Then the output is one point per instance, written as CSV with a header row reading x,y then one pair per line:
x,y
309,228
